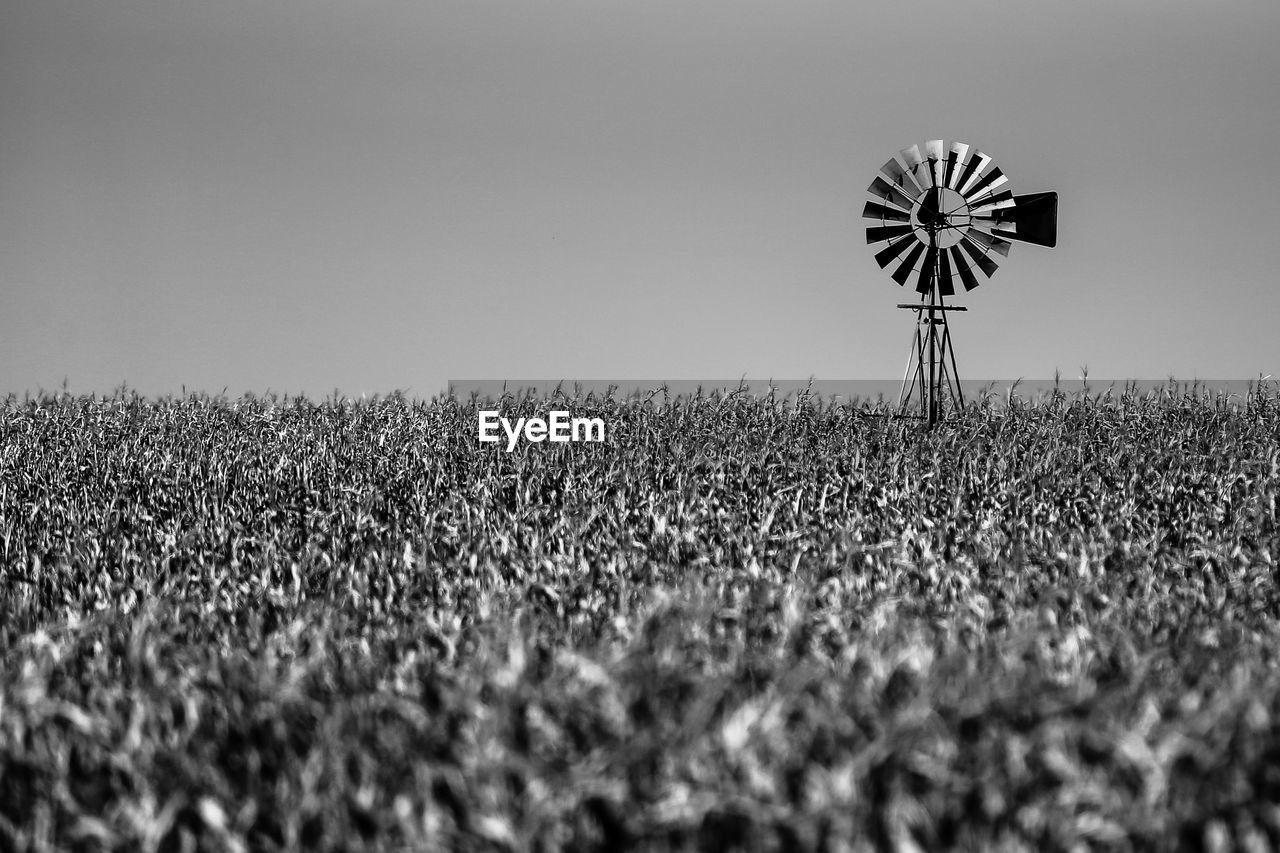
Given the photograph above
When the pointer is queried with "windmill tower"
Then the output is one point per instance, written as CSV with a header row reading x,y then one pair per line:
x,y
940,216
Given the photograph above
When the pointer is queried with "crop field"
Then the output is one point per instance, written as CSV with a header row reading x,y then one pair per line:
x,y
753,623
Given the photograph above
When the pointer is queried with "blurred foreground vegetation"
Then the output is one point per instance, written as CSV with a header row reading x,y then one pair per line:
x,y
772,624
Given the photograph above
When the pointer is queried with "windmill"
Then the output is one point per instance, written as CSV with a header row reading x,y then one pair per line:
x,y
942,215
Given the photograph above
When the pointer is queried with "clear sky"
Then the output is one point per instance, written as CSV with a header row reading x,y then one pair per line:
x,y
364,196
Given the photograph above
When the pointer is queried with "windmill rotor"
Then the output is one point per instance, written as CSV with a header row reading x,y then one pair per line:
x,y
944,214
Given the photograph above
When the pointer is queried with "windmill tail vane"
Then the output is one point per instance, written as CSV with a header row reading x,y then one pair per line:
x,y
943,215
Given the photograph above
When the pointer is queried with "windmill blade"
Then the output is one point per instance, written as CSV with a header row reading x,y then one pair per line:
x,y
875,210
886,232
1032,218
893,171
945,286
966,275
933,153
903,272
988,242
925,176
891,193
972,170
980,258
996,216
992,219
1004,198
989,182
955,158
911,156
888,253
916,166
989,195
925,282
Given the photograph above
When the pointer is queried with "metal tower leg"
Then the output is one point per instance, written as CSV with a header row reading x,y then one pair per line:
x,y
913,361
957,393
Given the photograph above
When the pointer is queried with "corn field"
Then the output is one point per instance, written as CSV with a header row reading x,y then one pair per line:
x,y
753,623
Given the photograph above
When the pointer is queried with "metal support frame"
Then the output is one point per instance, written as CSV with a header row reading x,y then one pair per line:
x,y
932,355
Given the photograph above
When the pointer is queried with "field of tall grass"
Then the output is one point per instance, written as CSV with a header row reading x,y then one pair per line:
x,y
768,624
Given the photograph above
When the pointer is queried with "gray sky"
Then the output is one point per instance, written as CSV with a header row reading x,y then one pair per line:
x,y
303,196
